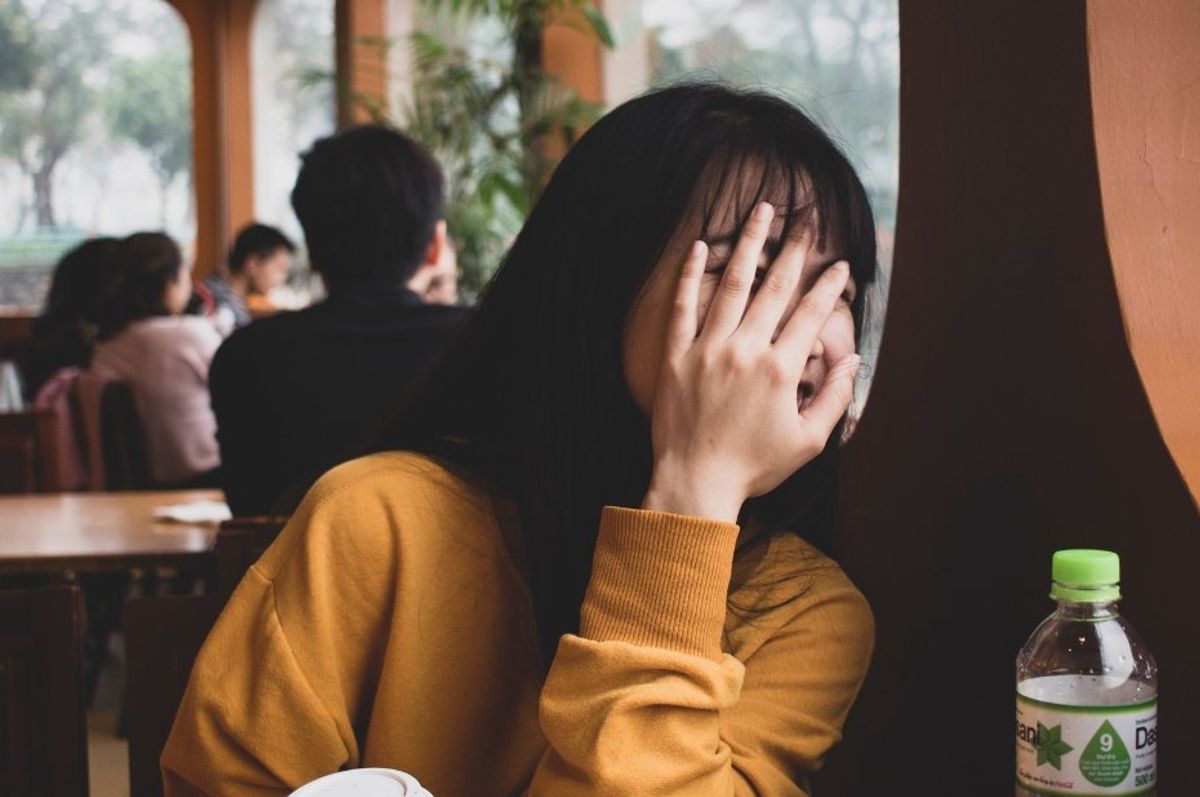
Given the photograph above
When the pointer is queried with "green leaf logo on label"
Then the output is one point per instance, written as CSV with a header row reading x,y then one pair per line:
x,y
1050,746
1105,760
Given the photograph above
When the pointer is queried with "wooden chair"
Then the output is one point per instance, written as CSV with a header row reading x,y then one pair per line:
x,y
29,460
43,731
117,458
163,635
240,542
122,443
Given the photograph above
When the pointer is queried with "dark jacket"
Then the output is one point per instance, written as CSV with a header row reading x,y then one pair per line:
x,y
295,393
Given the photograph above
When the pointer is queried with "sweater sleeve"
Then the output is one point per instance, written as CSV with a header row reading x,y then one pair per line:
x,y
643,701
284,675
249,730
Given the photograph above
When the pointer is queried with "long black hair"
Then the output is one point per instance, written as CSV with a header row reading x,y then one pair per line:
x,y
531,399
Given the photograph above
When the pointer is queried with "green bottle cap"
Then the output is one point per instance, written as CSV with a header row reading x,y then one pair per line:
x,y
1086,575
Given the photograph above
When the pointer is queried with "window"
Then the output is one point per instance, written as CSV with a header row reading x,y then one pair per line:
x,y
837,59
95,131
293,99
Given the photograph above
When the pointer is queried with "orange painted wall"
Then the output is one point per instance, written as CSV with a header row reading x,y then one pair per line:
x,y
1145,69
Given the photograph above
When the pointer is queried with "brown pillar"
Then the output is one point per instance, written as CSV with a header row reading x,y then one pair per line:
x,y
574,57
361,64
1007,417
222,141
608,77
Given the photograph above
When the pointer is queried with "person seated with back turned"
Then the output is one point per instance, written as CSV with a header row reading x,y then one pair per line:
x,y
64,335
295,391
258,263
163,356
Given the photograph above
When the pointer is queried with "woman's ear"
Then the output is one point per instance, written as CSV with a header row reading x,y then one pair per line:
x,y
437,244
419,283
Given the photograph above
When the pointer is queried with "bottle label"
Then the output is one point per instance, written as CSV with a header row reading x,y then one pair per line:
x,y
1086,751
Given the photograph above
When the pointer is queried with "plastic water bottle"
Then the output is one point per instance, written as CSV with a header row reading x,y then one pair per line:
x,y
1087,690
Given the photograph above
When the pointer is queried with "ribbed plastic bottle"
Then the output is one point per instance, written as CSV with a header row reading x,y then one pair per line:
x,y
1087,690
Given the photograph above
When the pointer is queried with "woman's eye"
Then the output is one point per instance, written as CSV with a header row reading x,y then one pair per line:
x,y
719,273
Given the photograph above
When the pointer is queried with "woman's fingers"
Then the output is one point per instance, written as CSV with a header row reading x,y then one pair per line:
x,y
681,330
832,400
729,304
796,341
776,292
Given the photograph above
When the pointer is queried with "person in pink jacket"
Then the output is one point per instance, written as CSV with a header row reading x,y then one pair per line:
x,y
163,356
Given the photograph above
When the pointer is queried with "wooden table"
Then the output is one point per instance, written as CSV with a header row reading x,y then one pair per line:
x,y
99,531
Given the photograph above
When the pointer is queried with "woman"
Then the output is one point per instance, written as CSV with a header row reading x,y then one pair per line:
x,y
540,585
163,356
65,333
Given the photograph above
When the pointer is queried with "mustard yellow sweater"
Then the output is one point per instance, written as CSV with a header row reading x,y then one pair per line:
x,y
390,626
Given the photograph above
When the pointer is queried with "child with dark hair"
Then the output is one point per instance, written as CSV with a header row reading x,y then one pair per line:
x,y
163,356
259,262
292,393
585,559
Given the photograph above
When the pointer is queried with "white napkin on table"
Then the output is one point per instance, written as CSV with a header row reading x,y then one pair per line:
x,y
205,513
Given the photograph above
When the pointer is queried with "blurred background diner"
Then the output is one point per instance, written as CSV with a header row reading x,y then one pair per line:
x,y
232,232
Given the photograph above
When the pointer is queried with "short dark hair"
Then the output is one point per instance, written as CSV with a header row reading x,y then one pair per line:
x,y
368,199
143,265
256,240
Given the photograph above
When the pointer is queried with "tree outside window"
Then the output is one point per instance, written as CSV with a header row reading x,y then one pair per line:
x,y
95,130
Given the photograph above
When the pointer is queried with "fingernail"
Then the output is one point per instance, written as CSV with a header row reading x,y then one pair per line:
x,y
842,265
764,212
698,248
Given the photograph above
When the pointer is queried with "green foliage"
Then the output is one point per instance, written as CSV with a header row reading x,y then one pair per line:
x,y
148,103
18,59
64,53
62,90
484,107
43,118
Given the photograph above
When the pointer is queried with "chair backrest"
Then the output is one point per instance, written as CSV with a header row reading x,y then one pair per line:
x,y
117,458
240,542
58,397
43,731
29,452
126,466
162,637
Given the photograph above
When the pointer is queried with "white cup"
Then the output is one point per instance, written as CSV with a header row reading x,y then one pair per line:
x,y
375,782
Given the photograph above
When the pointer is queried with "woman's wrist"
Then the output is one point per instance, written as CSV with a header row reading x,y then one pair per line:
x,y
692,495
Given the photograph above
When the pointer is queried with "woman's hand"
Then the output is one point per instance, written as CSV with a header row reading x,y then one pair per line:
x,y
726,423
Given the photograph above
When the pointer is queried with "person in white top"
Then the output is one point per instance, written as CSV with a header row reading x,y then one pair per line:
x,y
163,356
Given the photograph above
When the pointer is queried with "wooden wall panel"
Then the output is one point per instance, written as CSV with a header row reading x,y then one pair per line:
x,y
1007,417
